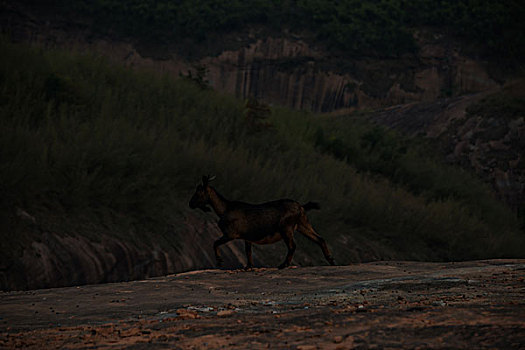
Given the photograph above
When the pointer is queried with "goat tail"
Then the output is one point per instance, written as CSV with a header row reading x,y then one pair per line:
x,y
311,205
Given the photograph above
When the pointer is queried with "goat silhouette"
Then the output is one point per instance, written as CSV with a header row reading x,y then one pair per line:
x,y
263,223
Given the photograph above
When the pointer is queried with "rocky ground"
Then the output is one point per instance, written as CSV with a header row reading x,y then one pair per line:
x,y
470,305
483,133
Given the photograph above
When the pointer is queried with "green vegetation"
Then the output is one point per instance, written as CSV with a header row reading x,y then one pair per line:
x,y
88,146
501,105
354,27
410,163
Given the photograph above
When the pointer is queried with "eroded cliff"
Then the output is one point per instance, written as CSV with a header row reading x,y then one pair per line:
x,y
288,69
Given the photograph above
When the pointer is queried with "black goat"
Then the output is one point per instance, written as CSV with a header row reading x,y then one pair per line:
x,y
258,223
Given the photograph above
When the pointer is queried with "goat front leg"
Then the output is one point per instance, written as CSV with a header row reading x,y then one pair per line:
x,y
248,250
216,245
290,244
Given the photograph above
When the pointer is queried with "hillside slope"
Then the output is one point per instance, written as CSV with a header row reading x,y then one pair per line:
x,y
99,162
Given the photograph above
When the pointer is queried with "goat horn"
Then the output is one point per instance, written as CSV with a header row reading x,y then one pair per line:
x,y
211,177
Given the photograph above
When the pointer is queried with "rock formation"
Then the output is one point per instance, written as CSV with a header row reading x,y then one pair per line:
x,y
286,69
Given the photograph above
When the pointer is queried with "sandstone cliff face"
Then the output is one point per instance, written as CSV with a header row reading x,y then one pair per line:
x,y
288,69
280,71
290,72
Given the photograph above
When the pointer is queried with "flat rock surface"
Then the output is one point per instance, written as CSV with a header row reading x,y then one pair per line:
x,y
470,305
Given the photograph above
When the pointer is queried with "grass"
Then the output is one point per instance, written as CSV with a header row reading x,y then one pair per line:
x,y
87,146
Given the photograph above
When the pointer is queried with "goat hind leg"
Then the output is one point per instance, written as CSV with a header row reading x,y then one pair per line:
x,y
216,245
307,230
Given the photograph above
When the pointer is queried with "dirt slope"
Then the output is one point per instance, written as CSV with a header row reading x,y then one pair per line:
x,y
466,305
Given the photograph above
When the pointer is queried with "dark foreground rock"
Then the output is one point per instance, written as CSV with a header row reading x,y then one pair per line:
x,y
470,305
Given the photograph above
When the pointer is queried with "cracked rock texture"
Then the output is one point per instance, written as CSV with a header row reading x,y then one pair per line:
x,y
468,305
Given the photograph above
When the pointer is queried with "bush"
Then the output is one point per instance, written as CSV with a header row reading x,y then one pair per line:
x,y
353,27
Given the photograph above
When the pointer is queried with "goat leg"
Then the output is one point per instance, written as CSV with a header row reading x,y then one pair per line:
x,y
248,250
290,244
308,231
216,245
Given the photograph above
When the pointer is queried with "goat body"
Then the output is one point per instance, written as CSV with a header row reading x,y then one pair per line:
x,y
263,223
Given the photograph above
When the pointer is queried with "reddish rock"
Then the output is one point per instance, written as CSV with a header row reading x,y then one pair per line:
x,y
462,305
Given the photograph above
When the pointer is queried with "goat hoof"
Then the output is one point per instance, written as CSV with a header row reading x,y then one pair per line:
x,y
332,262
282,266
248,267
